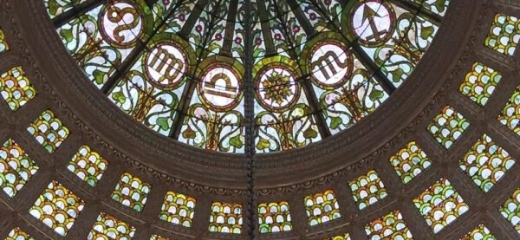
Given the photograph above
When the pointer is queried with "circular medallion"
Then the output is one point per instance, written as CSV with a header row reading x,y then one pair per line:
x,y
121,24
165,66
373,22
277,88
330,65
220,88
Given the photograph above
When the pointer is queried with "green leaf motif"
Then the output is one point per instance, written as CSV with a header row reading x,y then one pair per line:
x,y
99,76
263,144
119,97
163,123
427,32
397,75
66,34
236,142
335,122
310,133
376,95
188,133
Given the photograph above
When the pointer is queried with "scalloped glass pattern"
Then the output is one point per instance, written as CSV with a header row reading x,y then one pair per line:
x,y
510,116
16,168
107,225
367,189
480,232
486,163
179,67
132,192
88,165
178,209
510,210
504,34
345,236
321,207
48,131
391,226
225,218
410,162
57,208
4,46
16,88
448,126
274,217
18,234
480,83
440,205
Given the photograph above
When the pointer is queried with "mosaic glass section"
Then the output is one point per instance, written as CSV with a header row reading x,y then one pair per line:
x,y
16,88
511,210
4,46
321,207
18,234
131,192
480,83
178,209
440,205
274,217
504,34
345,236
48,131
391,226
111,227
16,168
410,162
448,126
510,115
157,237
480,232
225,218
178,66
88,165
57,208
486,163
367,189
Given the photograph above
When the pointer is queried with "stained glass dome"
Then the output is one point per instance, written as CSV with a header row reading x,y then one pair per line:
x,y
181,67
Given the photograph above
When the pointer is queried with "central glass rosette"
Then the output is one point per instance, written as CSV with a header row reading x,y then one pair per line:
x,y
178,66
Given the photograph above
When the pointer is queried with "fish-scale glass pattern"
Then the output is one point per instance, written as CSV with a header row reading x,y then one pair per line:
x,y
391,226
131,192
225,218
16,167
274,217
504,34
48,131
510,115
321,207
178,209
16,88
480,232
4,46
486,163
109,227
57,208
88,165
448,126
480,83
511,210
18,234
410,162
440,205
367,189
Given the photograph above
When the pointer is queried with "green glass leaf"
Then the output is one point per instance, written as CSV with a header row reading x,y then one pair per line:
x,y
66,34
163,123
188,133
335,122
119,97
397,75
236,142
426,32
262,144
99,76
376,95
310,133
53,7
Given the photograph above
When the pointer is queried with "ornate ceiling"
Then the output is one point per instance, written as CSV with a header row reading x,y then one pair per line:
x,y
437,160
